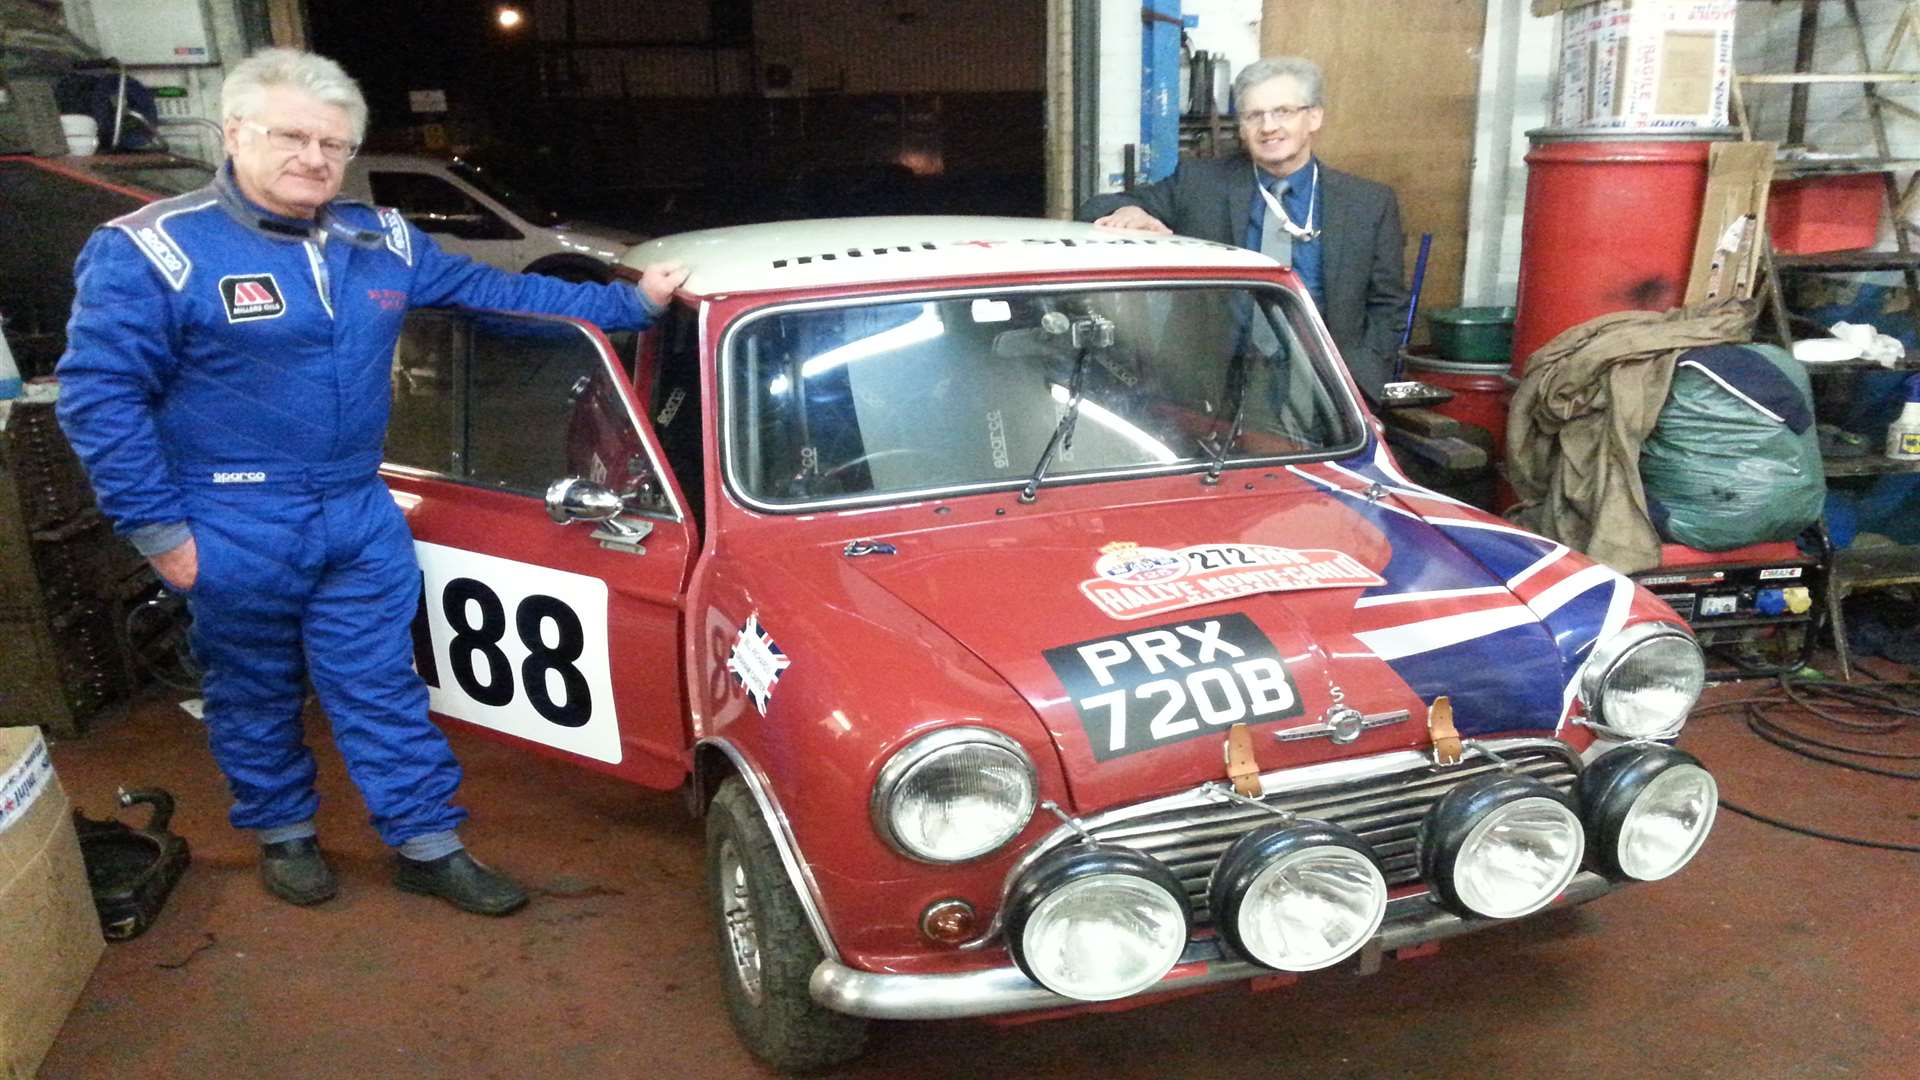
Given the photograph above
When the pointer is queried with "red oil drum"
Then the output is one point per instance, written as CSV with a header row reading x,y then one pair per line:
x,y
1481,393
1609,226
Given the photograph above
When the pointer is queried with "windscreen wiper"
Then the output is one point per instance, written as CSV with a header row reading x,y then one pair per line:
x,y
1090,332
1237,386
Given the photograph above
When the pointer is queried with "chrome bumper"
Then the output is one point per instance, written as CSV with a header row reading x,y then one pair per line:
x,y
1411,920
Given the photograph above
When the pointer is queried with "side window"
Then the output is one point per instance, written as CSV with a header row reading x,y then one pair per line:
x,y
437,206
418,193
514,404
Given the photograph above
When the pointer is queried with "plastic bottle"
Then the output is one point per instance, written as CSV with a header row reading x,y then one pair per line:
x,y
1903,435
9,371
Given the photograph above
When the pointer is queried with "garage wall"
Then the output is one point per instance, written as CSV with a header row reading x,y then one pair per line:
x,y
1516,84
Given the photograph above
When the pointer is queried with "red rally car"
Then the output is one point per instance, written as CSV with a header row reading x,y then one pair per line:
x,y
1037,618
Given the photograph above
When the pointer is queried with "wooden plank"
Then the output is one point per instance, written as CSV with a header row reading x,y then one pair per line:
x,y
1401,92
1422,421
1732,217
1791,78
1859,262
1858,568
1445,452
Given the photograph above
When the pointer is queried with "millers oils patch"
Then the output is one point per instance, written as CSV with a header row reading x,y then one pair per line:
x,y
1135,582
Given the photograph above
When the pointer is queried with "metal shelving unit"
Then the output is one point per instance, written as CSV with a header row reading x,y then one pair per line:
x,y
1851,569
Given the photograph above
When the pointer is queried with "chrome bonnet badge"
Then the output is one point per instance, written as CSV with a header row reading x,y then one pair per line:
x,y
1343,724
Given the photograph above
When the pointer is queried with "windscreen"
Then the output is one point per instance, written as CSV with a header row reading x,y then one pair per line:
x,y
893,397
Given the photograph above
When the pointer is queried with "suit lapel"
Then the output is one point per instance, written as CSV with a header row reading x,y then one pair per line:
x,y
1239,203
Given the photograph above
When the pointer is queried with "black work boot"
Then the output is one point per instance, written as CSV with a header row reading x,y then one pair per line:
x,y
295,871
460,880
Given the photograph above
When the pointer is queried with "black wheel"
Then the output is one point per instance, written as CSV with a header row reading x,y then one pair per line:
x,y
765,946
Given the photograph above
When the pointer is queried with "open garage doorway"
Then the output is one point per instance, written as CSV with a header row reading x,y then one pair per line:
x,y
682,114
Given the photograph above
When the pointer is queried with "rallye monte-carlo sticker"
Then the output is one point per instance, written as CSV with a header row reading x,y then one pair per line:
x,y
1174,682
756,662
1134,582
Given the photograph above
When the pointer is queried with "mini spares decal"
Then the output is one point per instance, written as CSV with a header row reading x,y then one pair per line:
x,y
1134,582
756,662
248,297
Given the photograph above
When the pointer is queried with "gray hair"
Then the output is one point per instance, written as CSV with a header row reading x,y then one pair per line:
x,y
1298,68
245,91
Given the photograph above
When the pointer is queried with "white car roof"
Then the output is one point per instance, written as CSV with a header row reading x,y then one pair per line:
x,y
868,250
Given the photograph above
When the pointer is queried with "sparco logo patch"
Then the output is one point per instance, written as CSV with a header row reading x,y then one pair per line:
x,y
251,296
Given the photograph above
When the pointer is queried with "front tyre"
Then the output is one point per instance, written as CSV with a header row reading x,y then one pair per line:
x,y
765,947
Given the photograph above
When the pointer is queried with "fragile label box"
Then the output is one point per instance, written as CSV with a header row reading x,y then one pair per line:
x,y
49,934
1630,64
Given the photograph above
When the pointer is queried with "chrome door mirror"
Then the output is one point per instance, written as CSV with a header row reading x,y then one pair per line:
x,y
574,499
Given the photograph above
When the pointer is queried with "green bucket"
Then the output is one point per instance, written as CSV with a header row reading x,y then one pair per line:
x,y
1472,335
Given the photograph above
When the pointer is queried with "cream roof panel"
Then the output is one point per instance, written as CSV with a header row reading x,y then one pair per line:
x,y
873,250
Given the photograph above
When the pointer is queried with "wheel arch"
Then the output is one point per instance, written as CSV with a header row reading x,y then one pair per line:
x,y
717,759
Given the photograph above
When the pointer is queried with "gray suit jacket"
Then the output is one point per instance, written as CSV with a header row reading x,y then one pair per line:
x,y
1365,249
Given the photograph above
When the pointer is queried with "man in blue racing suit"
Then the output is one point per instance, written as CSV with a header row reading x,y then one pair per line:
x,y
227,386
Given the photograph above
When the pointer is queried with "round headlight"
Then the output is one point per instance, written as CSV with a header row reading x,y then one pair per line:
x,y
954,795
1648,810
1298,897
1097,923
1642,682
1500,847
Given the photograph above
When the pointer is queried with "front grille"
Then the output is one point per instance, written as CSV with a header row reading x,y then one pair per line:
x,y
1384,809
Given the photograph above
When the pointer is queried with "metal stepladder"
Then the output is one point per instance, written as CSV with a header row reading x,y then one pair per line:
x,y
1799,160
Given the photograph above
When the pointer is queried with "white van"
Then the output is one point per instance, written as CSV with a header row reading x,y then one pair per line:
x,y
470,211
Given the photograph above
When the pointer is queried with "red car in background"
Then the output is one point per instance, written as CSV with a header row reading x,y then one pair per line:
x,y
1037,618
48,208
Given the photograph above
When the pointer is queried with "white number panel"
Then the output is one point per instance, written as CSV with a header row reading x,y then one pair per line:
x,y
517,647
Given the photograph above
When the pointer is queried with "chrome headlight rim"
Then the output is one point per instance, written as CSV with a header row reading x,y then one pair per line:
x,y
1062,869
1266,849
1611,656
1462,816
1610,792
906,761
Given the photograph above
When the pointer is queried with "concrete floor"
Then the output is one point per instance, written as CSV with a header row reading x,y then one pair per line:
x,y
1773,955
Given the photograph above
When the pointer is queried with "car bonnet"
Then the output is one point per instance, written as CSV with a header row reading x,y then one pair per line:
x,y
1139,634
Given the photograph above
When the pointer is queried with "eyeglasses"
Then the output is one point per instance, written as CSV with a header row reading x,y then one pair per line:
x,y
1279,114
291,141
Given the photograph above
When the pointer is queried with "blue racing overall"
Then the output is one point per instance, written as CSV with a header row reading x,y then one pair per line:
x,y
227,379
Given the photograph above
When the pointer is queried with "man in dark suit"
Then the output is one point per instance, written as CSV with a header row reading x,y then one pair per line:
x,y
1340,233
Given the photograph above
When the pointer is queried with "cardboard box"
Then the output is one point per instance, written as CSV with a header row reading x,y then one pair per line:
x,y
49,934
1633,64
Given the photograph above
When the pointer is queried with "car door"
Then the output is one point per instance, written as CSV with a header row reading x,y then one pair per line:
x,y
459,221
562,635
